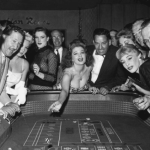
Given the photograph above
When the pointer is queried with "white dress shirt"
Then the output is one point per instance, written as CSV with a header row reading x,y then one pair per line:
x,y
3,58
60,50
98,61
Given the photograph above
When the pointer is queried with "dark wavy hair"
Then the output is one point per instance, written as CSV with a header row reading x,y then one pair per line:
x,y
38,29
101,31
68,59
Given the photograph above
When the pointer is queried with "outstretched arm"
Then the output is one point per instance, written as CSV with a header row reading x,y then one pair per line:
x,y
20,91
63,95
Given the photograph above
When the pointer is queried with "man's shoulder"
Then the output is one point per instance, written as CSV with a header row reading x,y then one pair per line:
x,y
146,64
112,51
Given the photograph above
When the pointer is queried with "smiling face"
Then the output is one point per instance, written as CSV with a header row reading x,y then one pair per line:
x,y
24,48
101,44
41,39
57,39
123,41
146,35
136,29
131,61
11,43
78,55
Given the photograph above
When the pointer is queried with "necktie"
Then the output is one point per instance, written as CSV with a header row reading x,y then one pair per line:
x,y
58,56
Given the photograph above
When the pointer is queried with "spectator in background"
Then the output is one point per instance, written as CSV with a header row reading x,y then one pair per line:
x,y
107,71
44,66
17,73
145,31
126,37
11,40
114,40
75,78
60,51
136,29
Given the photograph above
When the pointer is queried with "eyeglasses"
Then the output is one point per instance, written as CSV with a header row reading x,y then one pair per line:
x,y
136,33
146,40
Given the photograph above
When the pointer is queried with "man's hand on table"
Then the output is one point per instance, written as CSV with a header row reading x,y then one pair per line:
x,y
11,108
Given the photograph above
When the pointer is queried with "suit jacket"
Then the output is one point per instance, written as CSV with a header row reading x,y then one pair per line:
x,y
60,69
111,73
3,74
144,72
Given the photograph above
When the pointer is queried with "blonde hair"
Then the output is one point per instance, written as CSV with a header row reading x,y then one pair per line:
x,y
128,48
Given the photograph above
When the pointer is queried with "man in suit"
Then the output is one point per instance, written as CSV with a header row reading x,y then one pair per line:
x,y
59,50
11,40
107,71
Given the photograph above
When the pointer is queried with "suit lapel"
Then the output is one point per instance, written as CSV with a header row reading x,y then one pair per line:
x,y
106,65
64,53
0,65
4,74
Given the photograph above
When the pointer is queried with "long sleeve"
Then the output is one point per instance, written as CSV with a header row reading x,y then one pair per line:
x,y
52,68
47,62
144,72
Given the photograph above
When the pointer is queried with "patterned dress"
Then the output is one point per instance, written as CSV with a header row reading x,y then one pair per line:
x,y
46,59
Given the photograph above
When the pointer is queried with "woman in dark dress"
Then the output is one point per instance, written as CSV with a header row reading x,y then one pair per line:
x,y
44,66
132,60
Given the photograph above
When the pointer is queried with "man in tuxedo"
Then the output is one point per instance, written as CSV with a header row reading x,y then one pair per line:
x,y
107,71
59,50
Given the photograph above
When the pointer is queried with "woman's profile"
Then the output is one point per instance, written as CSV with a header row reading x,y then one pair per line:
x,y
133,61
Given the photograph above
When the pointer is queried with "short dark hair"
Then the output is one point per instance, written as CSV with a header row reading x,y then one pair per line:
x,y
38,29
101,31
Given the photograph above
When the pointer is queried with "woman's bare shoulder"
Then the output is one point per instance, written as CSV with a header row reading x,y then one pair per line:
x,y
68,71
25,63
